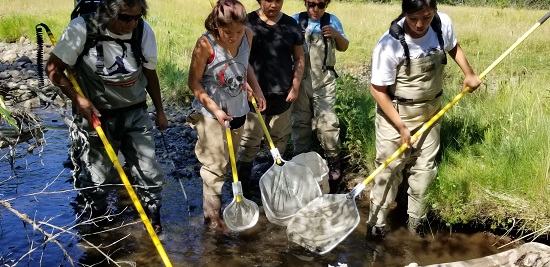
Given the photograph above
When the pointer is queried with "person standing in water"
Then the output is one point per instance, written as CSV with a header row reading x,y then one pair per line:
x,y
277,58
407,84
314,108
117,98
220,72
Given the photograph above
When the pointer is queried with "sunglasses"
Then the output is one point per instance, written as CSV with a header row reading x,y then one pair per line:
x,y
319,5
128,18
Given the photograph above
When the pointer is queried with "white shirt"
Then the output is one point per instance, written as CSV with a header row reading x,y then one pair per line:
x,y
388,52
72,41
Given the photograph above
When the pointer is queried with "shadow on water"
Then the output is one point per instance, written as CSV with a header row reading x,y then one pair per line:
x,y
185,239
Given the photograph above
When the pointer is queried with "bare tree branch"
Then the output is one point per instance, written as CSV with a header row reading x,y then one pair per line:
x,y
50,238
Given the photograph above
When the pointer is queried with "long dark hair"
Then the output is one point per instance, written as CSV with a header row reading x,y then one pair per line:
x,y
108,10
224,13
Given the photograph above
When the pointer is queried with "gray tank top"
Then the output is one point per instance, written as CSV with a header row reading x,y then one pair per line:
x,y
225,78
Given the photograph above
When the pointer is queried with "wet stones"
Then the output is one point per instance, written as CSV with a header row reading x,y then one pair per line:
x,y
19,81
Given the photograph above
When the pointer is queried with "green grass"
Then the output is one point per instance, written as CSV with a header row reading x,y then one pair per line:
x,y
495,162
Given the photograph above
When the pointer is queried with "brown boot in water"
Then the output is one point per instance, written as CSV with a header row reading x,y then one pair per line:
x,y
416,226
334,173
212,205
153,212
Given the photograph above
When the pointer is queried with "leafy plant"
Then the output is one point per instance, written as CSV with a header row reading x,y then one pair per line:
x,y
6,114
356,113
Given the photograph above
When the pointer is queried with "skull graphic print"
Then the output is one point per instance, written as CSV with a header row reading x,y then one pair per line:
x,y
231,77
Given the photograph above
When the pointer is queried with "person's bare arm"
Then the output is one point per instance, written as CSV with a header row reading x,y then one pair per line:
x,y
251,77
201,53
385,103
341,42
55,68
470,77
299,63
153,89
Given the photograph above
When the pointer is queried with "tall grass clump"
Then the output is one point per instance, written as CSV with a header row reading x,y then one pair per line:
x,y
495,160
177,24
503,173
13,27
19,18
356,107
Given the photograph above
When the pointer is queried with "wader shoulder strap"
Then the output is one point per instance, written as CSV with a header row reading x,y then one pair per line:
x,y
436,26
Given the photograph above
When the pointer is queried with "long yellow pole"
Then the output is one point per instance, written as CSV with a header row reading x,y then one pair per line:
x,y
264,127
110,151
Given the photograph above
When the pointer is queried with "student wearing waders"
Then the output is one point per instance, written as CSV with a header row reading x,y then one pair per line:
x,y
314,108
220,71
407,84
117,98
277,58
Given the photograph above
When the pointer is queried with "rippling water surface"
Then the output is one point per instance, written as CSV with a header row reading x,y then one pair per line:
x,y
41,188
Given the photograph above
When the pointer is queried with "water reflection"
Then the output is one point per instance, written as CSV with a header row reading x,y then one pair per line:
x,y
185,240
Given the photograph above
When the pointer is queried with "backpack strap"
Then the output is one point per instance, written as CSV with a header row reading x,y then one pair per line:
x,y
135,42
94,38
303,20
436,26
325,20
398,33
92,30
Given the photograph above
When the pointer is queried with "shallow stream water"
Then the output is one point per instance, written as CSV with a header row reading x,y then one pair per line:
x,y
185,240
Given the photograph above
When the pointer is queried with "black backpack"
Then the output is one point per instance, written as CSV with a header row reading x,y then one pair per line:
x,y
84,7
325,20
87,10
398,33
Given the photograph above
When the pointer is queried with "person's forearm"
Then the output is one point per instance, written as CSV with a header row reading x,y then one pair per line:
x,y
60,80
200,94
460,58
386,105
342,43
298,72
55,71
252,81
153,89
